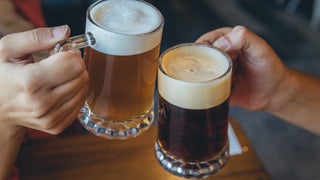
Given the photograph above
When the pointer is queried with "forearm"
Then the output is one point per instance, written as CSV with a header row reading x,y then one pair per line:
x,y
299,99
10,143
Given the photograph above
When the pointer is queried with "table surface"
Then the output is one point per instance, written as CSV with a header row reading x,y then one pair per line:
x,y
85,156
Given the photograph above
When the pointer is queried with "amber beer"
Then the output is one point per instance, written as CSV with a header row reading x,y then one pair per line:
x,y
122,65
194,89
121,87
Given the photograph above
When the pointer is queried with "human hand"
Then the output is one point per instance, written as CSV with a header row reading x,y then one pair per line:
x,y
259,75
46,95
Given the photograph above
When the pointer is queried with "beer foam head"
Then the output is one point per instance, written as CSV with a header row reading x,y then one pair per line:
x,y
124,27
128,17
194,76
194,64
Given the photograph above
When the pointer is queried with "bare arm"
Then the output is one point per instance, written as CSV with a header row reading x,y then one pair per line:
x,y
262,82
10,143
298,101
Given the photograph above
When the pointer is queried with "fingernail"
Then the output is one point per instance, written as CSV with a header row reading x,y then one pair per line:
x,y
60,31
222,43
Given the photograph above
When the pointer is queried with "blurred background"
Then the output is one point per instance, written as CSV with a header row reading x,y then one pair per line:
x,y
291,27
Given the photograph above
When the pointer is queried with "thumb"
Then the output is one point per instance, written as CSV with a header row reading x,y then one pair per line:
x,y
242,39
235,40
21,44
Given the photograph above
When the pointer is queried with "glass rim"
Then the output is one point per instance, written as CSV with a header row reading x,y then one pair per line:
x,y
228,70
159,27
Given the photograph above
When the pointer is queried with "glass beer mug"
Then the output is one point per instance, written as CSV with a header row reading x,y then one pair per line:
x,y
194,84
122,44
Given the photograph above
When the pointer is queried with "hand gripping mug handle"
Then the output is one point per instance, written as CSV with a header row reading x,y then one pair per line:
x,y
75,42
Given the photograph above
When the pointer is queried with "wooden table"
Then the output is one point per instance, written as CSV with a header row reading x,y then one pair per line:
x,y
87,157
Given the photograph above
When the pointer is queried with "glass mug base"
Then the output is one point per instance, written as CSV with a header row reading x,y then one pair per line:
x,y
189,169
112,129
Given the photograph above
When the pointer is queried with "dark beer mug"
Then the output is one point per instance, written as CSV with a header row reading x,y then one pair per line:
x,y
122,44
194,82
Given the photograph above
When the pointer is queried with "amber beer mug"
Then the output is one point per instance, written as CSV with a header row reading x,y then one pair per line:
x,y
122,44
194,82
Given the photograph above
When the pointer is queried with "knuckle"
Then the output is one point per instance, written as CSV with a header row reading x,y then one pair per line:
x,y
39,110
28,82
34,37
27,85
78,66
75,62
55,130
47,124
53,124
241,30
86,77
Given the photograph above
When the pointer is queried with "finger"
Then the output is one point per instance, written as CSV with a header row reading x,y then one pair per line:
x,y
66,113
47,101
20,44
240,38
54,71
211,36
63,67
27,59
67,91
53,121
67,120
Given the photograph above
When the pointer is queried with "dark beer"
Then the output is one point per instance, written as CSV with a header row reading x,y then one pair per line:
x,y
194,84
192,135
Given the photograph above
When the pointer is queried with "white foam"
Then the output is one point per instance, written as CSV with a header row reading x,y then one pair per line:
x,y
200,77
124,27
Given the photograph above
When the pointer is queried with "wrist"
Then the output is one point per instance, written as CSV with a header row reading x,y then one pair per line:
x,y
10,142
16,132
284,94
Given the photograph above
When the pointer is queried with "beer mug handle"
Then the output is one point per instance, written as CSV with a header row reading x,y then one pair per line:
x,y
75,42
